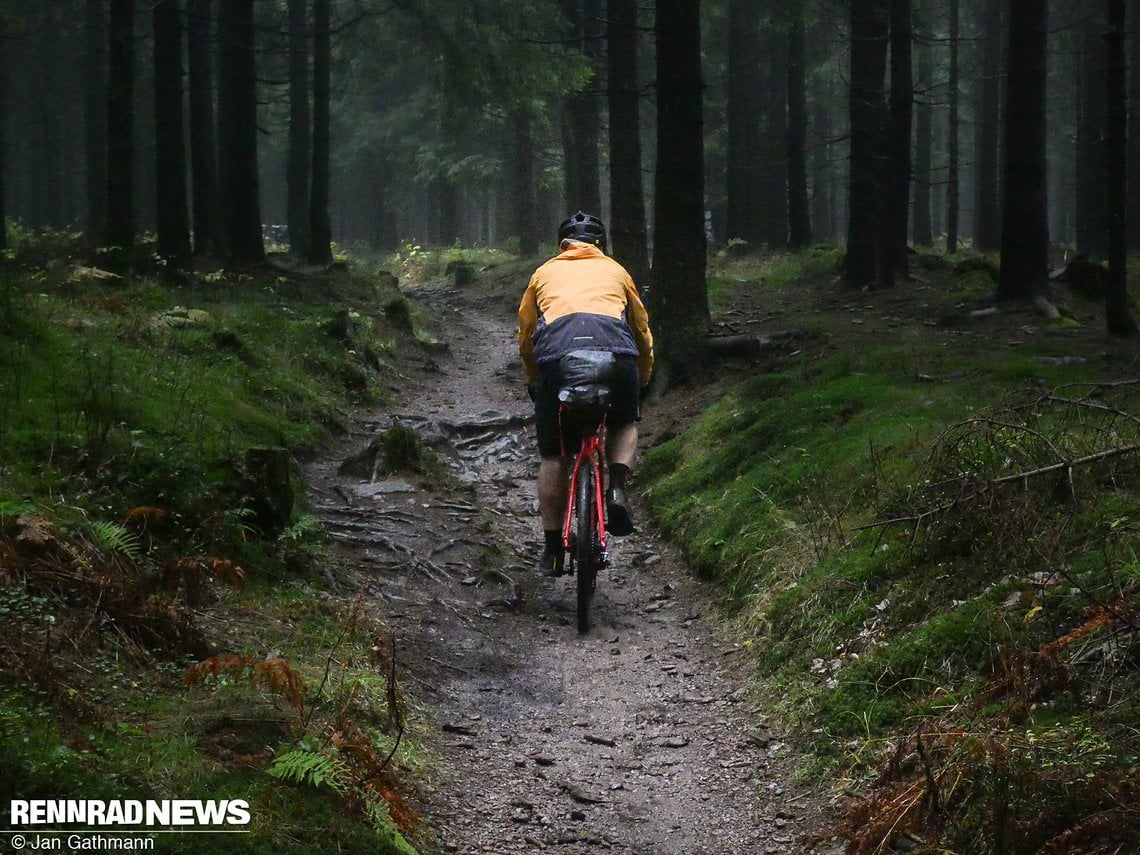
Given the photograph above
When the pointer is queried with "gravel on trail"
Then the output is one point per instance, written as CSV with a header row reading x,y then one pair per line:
x,y
637,737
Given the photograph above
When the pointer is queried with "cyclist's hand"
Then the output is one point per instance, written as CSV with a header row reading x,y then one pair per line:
x,y
532,389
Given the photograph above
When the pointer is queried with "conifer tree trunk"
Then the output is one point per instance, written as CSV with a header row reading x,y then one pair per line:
x,y
987,211
899,128
869,28
923,228
320,245
743,157
1133,221
628,239
772,204
799,218
823,178
1117,311
679,299
95,115
299,160
581,130
119,234
3,133
952,131
1091,178
203,129
237,134
1025,226
172,210
520,186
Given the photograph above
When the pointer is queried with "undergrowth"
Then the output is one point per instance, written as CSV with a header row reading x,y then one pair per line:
x,y
150,505
930,551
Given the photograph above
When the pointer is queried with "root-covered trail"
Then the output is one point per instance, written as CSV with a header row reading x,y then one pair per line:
x,y
635,737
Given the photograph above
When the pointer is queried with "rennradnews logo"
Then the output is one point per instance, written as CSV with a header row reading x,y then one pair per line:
x,y
128,812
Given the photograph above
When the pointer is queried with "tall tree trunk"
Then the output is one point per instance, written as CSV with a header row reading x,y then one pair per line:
x,y
203,130
1117,312
119,234
987,211
520,184
237,134
172,211
581,129
320,245
1133,223
679,298
628,239
772,204
297,178
446,194
1025,226
799,217
1091,177
822,178
743,165
898,142
5,310
953,132
923,228
95,116
869,28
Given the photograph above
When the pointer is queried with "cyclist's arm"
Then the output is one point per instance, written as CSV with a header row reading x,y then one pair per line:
x,y
528,323
638,320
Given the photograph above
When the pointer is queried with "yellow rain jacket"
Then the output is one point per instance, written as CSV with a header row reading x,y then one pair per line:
x,y
583,300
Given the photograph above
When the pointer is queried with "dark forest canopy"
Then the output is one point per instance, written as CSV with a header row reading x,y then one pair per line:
x,y
439,122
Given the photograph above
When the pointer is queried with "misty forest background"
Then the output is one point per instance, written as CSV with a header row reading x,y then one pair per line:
x,y
202,129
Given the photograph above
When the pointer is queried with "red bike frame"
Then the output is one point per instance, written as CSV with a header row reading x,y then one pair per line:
x,y
592,454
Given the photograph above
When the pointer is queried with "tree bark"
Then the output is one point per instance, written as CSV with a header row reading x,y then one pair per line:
x,y
1091,177
799,217
952,131
299,159
581,129
95,116
203,129
679,299
172,209
520,183
987,211
320,240
923,228
1025,227
1133,222
772,204
869,29
628,243
119,235
1117,311
899,128
743,156
237,135
4,61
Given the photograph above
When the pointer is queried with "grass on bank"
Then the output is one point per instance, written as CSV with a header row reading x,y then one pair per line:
x,y
163,629
953,639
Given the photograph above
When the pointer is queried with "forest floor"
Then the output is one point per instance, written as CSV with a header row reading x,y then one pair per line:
x,y
638,736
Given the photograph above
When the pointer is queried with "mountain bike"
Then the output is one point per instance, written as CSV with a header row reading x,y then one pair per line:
x,y
584,405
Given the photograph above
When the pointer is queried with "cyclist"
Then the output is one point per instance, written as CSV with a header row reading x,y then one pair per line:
x,y
583,300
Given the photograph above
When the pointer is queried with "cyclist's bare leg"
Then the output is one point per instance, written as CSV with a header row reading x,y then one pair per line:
x,y
552,474
621,444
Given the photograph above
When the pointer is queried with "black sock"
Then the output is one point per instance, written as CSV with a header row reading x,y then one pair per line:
x,y
553,538
619,475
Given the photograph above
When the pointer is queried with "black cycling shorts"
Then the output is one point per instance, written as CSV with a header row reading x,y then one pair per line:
x,y
625,406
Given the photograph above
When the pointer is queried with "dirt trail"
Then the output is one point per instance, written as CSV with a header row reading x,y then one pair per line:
x,y
636,737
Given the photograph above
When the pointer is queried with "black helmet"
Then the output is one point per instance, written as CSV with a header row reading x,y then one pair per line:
x,y
583,227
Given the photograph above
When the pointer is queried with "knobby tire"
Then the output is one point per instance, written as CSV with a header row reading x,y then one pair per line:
x,y
585,514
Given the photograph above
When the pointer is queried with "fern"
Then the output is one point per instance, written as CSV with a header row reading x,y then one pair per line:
x,y
310,768
114,538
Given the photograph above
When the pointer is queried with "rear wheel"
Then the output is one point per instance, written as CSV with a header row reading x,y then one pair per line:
x,y
585,515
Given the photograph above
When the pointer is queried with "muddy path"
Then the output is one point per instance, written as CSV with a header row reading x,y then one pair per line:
x,y
636,737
